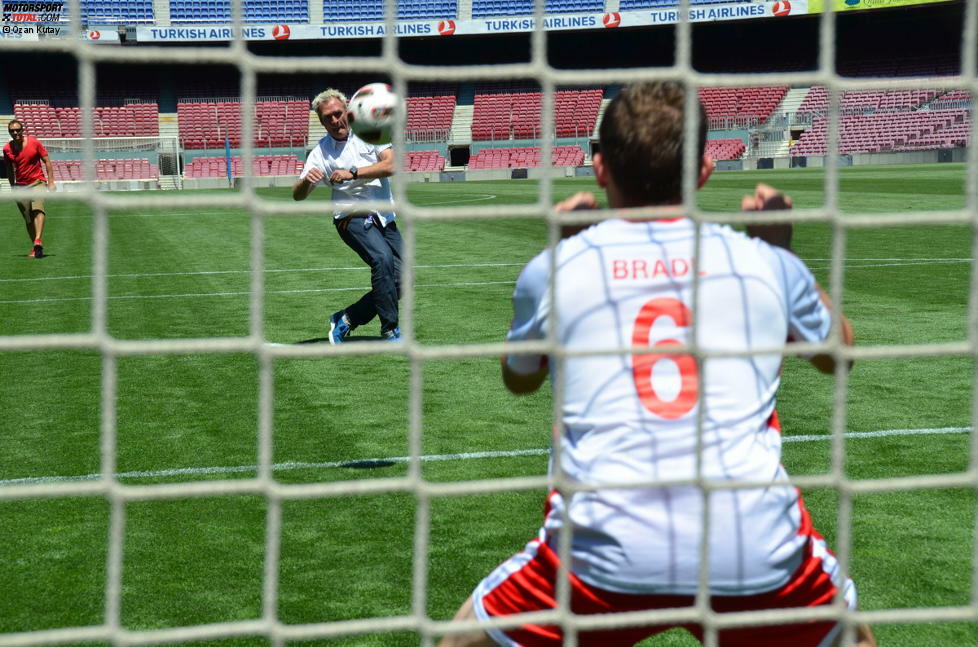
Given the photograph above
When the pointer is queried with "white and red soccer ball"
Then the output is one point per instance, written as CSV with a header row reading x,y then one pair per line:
x,y
372,112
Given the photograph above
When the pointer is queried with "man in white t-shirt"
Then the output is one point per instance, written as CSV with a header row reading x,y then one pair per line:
x,y
631,418
357,172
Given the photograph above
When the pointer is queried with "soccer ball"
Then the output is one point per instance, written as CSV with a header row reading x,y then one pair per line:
x,y
372,111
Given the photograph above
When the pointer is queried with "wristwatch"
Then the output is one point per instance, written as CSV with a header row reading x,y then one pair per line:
x,y
354,172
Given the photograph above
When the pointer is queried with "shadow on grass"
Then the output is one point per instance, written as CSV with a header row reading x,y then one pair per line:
x,y
348,340
368,464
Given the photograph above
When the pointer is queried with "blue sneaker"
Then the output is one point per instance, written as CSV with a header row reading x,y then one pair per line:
x,y
391,335
339,327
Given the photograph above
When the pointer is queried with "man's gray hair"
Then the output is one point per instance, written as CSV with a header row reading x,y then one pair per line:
x,y
325,96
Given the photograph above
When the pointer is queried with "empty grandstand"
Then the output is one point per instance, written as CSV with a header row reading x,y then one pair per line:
x,y
491,8
524,157
729,148
424,161
277,123
107,169
517,115
429,118
261,165
253,11
373,10
733,107
131,120
890,132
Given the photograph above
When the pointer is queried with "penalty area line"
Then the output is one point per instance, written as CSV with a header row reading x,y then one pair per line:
x,y
393,460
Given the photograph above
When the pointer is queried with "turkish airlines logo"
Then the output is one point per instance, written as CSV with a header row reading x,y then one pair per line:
x,y
446,27
781,8
612,19
281,32
94,34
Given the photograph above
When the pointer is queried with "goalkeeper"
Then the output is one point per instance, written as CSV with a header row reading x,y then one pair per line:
x,y
670,418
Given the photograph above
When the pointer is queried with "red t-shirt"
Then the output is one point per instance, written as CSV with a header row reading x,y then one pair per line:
x,y
27,162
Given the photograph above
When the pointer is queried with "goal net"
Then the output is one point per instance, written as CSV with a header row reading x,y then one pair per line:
x,y
406,534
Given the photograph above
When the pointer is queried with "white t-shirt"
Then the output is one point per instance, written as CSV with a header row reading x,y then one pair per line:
x,y
330,155
631,418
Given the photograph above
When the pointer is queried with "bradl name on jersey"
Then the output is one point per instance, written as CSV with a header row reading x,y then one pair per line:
x,y
639,268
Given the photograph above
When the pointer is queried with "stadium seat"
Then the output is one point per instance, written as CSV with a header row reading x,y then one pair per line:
x,y
489,8
525,157
424,161
429,118
740,107
107,169
517,115
889,131
116,13
206,124
253,11
263,165
131,120
725,148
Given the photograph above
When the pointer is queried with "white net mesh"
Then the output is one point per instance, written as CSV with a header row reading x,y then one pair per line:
x,y
118,494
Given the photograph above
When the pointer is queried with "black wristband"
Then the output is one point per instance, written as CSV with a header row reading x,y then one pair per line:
x,y
354,171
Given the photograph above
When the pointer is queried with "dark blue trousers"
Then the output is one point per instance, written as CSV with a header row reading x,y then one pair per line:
x,y
380,248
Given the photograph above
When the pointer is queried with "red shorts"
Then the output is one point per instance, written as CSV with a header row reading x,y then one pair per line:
x,y
526,582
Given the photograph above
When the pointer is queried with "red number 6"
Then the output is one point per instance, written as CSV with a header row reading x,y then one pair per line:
x,y
644,364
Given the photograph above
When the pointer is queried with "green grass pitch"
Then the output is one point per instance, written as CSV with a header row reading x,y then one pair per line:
x,y
177,274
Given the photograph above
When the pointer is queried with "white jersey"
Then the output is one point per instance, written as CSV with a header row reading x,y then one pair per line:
x,y
332,155
633,418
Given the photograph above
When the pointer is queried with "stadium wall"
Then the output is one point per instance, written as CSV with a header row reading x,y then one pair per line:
x,y
729,134
113,185
867,159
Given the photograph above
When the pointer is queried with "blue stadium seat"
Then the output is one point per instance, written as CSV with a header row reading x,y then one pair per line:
x,y
116,11
254,11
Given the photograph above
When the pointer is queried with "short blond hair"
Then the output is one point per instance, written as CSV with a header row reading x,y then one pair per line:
x,y
326,95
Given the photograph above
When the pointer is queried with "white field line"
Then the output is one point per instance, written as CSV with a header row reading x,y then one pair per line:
x,y
481,196
284,271
217,211
852,263
384,462
194,295
813,260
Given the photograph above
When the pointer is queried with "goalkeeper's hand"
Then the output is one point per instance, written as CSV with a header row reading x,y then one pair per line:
x,y
767,198
582,200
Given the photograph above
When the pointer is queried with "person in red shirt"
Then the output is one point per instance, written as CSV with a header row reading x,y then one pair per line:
x,y
22,156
